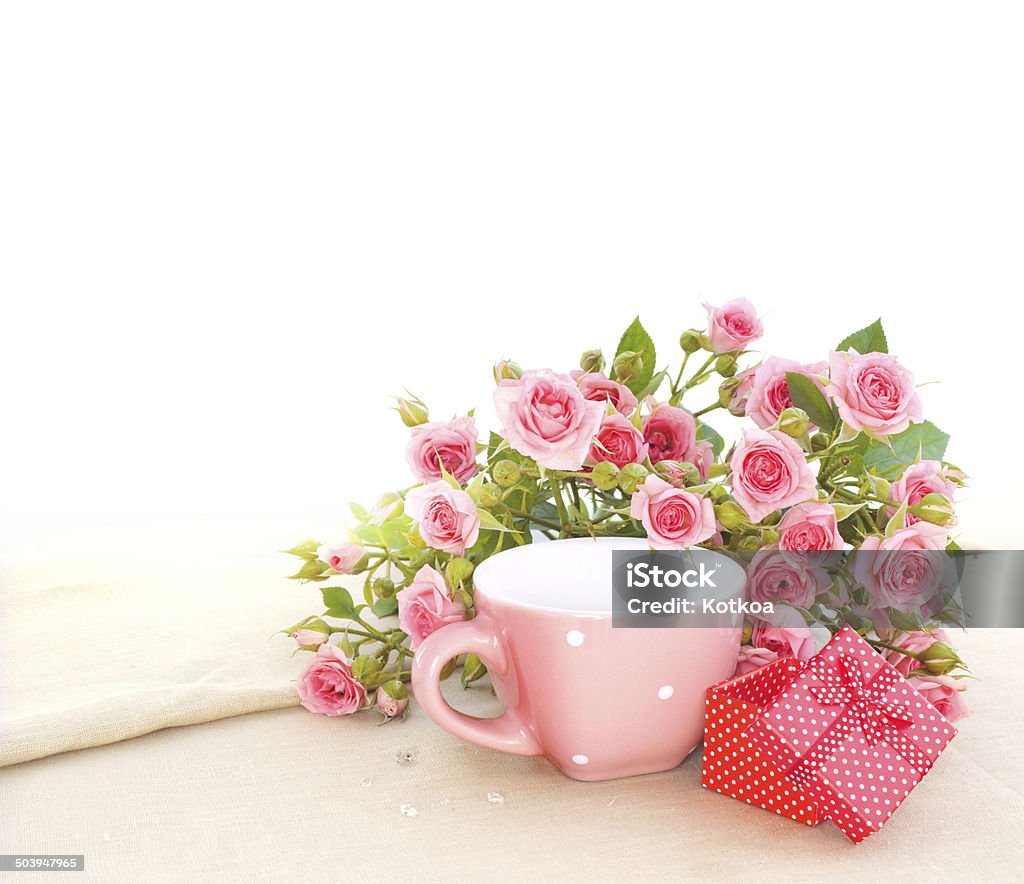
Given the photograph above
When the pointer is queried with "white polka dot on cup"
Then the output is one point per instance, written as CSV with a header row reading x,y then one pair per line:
x,y
574,638
580,759
665,692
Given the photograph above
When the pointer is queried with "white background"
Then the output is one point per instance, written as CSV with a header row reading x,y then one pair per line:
x,y
229,231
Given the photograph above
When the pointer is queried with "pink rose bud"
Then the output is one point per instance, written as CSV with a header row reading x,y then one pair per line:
x,y
412,411
545,416
732,326
343,558
392,707
914,642
874,393
504,370
918,481
945,693
450,445
308,638
448,518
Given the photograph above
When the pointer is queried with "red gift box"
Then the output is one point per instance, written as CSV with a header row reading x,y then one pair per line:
x,y
842,736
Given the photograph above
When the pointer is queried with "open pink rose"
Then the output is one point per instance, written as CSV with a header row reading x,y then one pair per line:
x,y
909,571
786,641
327,687
545,416
452,444
618,442
733,326
673,518
599,388
769,472
769,394
671,434
915,642
945,693
447,516
341,557
426,605
751,658
874,393
777,576
810,526
918,480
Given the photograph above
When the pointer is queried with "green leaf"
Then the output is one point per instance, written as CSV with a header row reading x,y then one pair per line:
x,y
870,339
305,550
845,510
807,395
488,522
923,441
635,338
339,602
653,384
385,607
709,433
312,569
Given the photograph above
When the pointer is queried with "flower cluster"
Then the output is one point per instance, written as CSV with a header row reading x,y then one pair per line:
x,y
831,456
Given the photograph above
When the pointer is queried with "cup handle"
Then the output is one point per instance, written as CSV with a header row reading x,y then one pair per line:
x,y
506,733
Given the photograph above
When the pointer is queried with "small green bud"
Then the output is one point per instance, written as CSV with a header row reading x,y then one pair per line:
x,y
592,360
725,365
605,476
934,508
794,422
769,536
458,571
412,411
505,370
748,634
689,341
940,659
819,442
384,587
506,473
731,515
472,670
627,365
490,495
750,543
678,473
726,391
631,477
365,667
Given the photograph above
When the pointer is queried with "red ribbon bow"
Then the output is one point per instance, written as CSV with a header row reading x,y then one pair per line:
x,y
877,716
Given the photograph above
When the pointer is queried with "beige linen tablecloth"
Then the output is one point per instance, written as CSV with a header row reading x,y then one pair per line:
x,y
285,795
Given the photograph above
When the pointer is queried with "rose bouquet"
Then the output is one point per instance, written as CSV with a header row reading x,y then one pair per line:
x,y
830,456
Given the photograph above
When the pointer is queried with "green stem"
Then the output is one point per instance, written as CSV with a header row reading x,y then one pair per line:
x,y
563,515
706,410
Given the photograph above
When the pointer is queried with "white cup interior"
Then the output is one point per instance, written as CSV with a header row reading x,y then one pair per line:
x,y
570,575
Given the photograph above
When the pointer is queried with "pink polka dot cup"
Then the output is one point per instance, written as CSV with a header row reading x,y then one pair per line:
x,y
599,702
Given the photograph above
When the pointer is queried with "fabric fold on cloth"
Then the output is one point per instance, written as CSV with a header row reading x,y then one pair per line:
x,y
119,630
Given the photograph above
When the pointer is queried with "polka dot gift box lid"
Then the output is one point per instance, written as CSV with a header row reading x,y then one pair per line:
x,y
850,735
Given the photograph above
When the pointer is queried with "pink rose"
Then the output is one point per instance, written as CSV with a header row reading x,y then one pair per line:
x,y
751,658
618,442
733,326
810,526
945,693
426,605
874,393
741,392
775,576
769,394
909,571
327,687
387,704
671,434
341,558
918,480
786,641
546,417
451,444
915,642
447,516
306,638
596,387
673,518
769,472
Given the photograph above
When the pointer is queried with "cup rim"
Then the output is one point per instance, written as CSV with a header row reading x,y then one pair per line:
x,y
625,543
